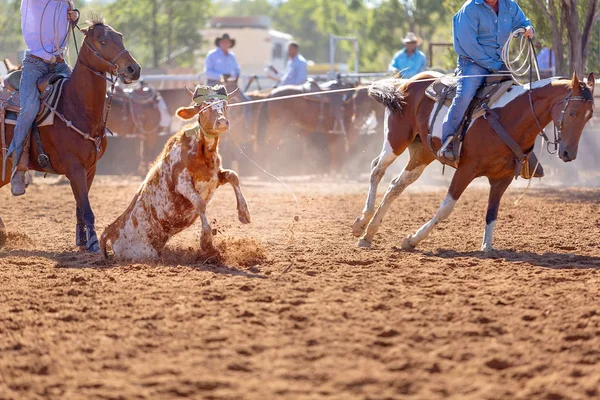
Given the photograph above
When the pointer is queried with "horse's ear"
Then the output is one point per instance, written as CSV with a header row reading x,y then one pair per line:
x,y
85,31
591,82
186,113
575,80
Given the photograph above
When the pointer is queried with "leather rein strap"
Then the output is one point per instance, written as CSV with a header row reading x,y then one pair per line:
x,y
492,117
107,103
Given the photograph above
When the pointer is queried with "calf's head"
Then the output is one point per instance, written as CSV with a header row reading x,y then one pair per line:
x,y
210,108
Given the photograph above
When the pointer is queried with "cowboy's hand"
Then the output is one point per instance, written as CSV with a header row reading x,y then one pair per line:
x,y
73,16
528,32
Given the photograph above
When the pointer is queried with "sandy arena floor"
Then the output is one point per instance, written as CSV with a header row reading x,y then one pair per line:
x,y
296,310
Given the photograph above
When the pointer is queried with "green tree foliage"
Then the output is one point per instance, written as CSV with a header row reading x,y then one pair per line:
x,y
11,40
159,30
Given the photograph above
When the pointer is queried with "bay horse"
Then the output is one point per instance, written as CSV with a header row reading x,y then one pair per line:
x,y
330,113
82,103
569,103
138,112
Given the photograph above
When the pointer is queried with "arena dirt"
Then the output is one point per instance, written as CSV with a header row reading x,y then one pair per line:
x,y
294,310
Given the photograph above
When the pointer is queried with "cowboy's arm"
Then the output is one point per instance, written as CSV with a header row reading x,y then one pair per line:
x,y
423,62
209,68
302,72
236,67
465,35
519,20
73,14
393,67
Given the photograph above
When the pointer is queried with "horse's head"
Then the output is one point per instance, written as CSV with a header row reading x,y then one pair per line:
x,y
210,107
105,52
571,115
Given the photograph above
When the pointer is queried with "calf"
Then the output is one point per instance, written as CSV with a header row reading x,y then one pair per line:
x,y
180,184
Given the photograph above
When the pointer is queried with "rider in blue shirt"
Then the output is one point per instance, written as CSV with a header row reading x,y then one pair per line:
x,y
221,62
296,68
409,61
480,28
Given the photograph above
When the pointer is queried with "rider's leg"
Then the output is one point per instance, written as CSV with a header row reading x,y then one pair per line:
x,y
33,70
470,78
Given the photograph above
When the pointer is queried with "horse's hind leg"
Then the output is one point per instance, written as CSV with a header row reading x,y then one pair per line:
x,y
419,159
460,181
378,168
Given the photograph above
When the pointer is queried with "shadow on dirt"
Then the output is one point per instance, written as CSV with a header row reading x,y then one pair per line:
x,y
545,260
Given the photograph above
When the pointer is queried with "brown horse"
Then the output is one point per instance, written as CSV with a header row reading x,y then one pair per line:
x,y
137,112
82,103
288,120
568,103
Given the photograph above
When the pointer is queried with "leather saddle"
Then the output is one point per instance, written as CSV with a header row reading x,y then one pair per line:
x,y
142,95
50,88
443,91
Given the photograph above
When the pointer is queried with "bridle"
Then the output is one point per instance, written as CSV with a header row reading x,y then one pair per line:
x,y
114,74
558,126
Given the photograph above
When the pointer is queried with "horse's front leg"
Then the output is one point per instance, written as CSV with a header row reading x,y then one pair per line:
x,y
460,181
229,176
497,189
80,232
79,185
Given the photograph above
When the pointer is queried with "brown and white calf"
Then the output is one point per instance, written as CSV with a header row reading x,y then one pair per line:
x,y
179,186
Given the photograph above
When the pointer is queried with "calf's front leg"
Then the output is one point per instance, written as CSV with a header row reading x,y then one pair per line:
x,y
229,176
186,188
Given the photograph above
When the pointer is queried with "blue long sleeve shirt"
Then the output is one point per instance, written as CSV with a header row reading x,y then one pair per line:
x,y
218,63
480,33
295,71
408,66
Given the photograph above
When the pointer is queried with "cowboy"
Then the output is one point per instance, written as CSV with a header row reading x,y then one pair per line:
x,y
221,63
45,26
296,70
409,61
480,27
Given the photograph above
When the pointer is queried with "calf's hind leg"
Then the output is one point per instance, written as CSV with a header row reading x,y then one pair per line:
x,y
419,159
229,176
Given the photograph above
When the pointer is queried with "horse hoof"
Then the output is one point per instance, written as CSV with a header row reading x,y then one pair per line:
x,y
487,249
406,245
364,244
357,228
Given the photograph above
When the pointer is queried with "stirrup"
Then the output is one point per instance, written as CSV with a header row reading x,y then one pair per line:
x,y
441,152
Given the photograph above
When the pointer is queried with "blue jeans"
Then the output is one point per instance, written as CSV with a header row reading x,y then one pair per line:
x,y
33,69
466,90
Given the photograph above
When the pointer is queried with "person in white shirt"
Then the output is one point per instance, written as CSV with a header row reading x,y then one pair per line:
x,y
45,25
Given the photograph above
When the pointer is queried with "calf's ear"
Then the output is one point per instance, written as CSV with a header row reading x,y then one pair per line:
x,y
186,113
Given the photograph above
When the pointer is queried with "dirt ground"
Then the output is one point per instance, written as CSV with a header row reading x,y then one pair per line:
x,y
296,311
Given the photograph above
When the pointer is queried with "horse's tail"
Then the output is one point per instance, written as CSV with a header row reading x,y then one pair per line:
x,y
389,92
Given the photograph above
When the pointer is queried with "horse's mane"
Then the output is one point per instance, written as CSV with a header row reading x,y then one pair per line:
x,y
95,19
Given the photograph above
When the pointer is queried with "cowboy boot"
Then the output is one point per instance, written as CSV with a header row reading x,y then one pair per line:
x,y
446,152
531,166
18,180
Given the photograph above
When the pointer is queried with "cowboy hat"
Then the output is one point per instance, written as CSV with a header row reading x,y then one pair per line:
x,y
225,36
411,37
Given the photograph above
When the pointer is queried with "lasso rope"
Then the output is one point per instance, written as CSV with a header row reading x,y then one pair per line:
x,y
56,25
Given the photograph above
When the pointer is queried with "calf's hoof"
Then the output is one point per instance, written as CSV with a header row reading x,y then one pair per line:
x,y
244,216
407,245
364,244
358,228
